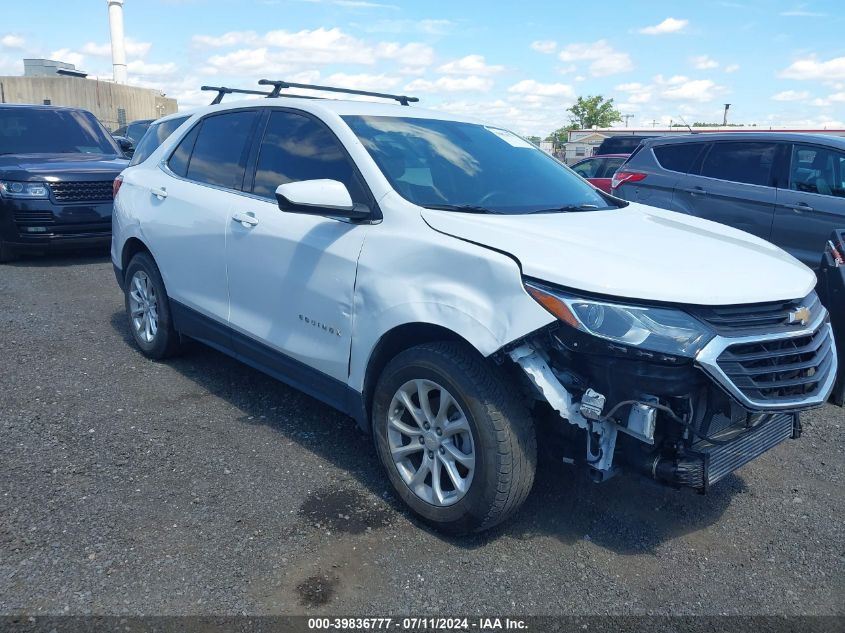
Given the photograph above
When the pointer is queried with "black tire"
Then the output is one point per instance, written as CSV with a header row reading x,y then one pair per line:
x,y
502,432
7,254
166,341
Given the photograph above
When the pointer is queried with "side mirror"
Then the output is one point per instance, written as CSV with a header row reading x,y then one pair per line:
x,y
320,197
126,146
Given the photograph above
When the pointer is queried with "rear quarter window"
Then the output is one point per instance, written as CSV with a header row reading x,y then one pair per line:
x,y
154,137
677,156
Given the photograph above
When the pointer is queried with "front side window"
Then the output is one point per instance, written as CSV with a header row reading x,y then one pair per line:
x,y
296,147
817,170
218,156
589,168
151,141
470,167
749,163
47,131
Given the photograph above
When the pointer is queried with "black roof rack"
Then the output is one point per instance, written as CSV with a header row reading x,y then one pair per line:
x,y
278,86
222,91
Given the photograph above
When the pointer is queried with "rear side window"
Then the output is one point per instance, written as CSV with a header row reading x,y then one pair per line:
x,y
589,168
154,137
294,148
611,166
749,163
219,152
178,162
677,156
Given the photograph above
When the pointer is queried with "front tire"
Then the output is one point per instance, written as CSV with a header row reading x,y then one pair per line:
x,y
458,446
148,309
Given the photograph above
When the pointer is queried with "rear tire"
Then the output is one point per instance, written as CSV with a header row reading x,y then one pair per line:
x,y
484,439
148,309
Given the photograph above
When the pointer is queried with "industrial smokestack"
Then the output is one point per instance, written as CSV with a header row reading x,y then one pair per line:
x,y
118,45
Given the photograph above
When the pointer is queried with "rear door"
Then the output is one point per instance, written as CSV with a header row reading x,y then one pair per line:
x,y
734,186
188,207
813,204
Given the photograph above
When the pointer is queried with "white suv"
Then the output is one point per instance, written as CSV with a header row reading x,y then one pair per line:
x,y
456,290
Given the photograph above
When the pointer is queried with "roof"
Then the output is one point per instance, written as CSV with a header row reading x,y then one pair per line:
x,y
38,106
340,107
827,139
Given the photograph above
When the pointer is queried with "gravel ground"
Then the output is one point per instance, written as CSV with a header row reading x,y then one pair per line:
x,y
199,486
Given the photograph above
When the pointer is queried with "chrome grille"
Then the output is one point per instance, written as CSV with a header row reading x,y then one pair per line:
x,y
780,369
773,316
82,191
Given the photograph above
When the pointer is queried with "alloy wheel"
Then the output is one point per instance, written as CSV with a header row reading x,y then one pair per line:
x,y
143,306
430,442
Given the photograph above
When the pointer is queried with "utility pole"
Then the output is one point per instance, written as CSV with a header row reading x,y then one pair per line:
x,y
626,117
654,123
725,118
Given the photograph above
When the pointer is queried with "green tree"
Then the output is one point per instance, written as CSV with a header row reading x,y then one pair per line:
x,y
533,139
593,111
559,136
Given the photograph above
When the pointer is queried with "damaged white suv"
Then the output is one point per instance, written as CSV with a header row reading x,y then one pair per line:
x,y
456,290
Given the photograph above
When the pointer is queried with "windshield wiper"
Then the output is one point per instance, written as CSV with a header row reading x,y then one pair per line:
x,y
463,208
571,207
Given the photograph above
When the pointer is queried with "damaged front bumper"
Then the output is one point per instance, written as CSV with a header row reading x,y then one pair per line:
x,y
685,423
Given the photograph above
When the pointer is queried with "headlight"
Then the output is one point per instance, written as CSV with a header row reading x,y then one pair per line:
x,y
663,330
30,190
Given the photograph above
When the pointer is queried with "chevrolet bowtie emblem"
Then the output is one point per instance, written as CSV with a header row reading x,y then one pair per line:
x,y
800,315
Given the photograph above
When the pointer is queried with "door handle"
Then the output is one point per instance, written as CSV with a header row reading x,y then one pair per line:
x,y
246,220
696,191
160,193
799,207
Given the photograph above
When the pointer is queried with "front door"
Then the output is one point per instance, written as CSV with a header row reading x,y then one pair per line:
x,y
292,276
813,205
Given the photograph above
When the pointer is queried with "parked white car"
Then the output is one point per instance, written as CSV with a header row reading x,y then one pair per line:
x,y
450,286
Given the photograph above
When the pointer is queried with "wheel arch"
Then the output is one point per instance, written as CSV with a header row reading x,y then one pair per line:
x,y
394,342
132,247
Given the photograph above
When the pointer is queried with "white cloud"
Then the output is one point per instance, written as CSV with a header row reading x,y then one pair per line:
x,y
532,87
313,46
813,68
143,69
731,68
451,84
693,90
669,25
363,81
12,40
703,62
283,51
605,60
791,95
470,65
802,13
629,87
68,56
134,49
232,38
544,46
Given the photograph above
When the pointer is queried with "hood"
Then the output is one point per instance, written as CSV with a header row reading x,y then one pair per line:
x,y
638,252
61,166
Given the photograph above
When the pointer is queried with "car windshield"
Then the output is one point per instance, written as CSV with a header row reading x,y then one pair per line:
x,y
470,167
44,131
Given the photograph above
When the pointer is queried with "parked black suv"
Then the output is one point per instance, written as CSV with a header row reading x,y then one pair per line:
x,y
57,168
